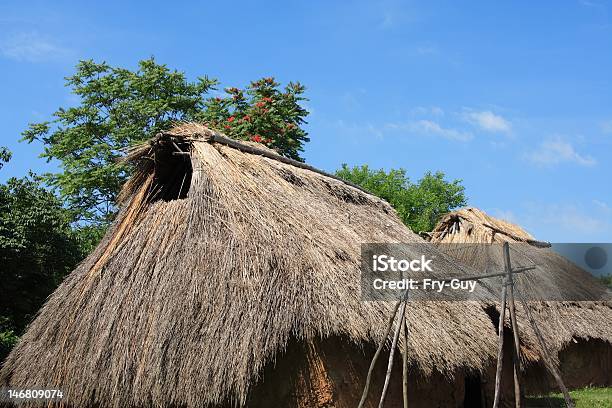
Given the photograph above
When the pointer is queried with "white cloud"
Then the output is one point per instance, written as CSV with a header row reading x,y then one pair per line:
x,y
582,219
573,219
423,127
391,16
426,50
603,207
427,111
434,128
488,121
31,47
566,222
606,126
557,151
589,3
373,130
359,129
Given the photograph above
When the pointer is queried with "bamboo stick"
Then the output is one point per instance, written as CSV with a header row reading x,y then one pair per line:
x,y
546,354
500,350
519,396
398,329
405,364
366,388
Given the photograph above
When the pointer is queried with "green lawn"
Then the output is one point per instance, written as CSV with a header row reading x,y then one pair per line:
x,y
584,398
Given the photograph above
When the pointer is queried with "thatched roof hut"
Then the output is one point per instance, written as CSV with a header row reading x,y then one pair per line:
x,y
571,307
225,271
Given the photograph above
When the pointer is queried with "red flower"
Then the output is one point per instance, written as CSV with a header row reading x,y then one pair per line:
x,y
260,104
268,141
256,138
231,119
227,127
247,118
266,99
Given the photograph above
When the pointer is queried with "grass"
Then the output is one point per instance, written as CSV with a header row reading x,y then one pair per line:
x,y
584,398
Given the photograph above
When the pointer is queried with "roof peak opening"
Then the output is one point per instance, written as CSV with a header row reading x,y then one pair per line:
x,y
172,170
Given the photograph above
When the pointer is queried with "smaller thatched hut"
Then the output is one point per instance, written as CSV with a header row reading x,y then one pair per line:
x,y
572,308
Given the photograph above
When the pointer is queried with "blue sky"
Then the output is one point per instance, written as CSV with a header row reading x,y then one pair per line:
x,y
515,98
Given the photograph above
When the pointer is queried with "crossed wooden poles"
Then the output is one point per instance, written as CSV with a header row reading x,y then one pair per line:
x,y
507,301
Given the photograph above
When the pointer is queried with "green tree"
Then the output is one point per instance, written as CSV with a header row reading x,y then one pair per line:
x,y
419,205
5,156
8,338
606,280
37,249
119,107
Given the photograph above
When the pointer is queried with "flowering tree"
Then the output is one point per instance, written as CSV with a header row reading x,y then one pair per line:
x,y
262,113
119,107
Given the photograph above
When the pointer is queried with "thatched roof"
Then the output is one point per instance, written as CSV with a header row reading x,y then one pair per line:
x,y
471,225
186,300
569,302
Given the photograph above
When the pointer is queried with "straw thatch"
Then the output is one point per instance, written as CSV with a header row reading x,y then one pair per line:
x,y
216,261
570,305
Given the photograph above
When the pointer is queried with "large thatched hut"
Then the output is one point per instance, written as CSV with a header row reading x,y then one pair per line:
x,y
572,309
231,278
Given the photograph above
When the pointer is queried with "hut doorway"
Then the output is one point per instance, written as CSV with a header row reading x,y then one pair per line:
x,y
473,395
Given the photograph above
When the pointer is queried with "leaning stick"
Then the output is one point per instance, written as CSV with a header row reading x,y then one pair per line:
x,y
398,329
519,397
500,350
546,353
366,388
405,363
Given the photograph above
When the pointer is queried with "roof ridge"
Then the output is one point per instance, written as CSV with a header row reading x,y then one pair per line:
x,y
489,222
213,136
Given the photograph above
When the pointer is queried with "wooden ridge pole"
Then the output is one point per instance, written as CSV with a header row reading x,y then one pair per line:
x,y
500,346
519,396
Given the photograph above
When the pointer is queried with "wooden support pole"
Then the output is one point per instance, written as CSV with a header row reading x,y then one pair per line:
x,y
366,388
500,347
546,354
405,366
519,396
398,329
